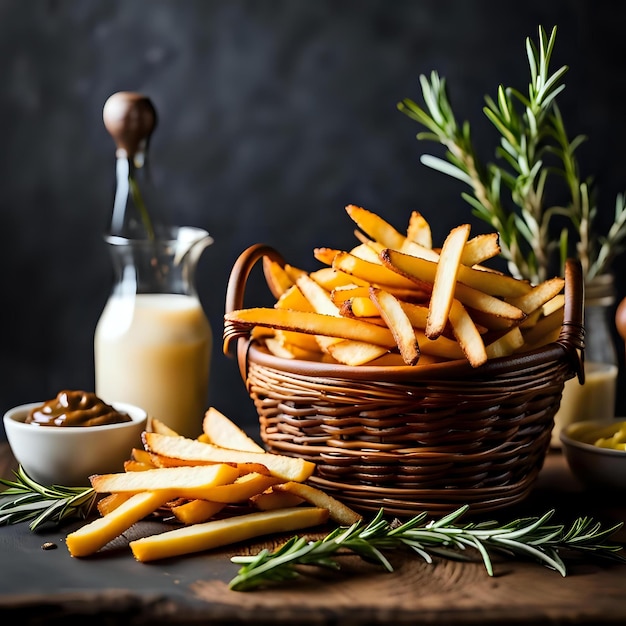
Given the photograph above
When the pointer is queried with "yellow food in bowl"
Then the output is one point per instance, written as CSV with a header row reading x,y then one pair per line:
x,y
617,441
611,436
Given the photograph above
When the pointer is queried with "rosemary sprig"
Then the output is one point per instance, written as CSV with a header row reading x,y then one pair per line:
x,y
533,538
534,151
26,500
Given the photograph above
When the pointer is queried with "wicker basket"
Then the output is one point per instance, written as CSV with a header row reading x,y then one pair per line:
x,y
412,439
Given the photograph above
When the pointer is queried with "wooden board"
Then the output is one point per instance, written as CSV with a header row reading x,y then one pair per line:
x,y
111,586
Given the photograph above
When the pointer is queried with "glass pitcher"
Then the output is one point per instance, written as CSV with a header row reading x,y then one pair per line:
x,y
153,342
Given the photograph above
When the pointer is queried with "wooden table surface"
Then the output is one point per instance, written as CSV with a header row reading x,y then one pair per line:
x,y
48,586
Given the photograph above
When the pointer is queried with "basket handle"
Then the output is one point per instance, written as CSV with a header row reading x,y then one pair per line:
x,y
235,292
572,335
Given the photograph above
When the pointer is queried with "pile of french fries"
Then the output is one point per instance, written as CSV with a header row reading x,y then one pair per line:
x,y
394,299
220,488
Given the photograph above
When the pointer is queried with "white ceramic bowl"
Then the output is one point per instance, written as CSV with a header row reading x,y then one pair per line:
x,y
595,466
68,455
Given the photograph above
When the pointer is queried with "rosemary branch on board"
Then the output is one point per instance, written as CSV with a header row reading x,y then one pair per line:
x,y
532,538
25,500
535,151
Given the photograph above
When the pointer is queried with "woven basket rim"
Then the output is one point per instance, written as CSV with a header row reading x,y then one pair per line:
x,y
258,353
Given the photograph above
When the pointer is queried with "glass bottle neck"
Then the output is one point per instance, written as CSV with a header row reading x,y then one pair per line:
x,y
132,216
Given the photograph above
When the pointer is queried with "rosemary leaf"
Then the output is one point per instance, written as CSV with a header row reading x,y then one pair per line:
x,y
24,500
536,157
530,538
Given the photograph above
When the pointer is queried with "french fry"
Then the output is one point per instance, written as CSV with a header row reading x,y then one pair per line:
x,y
400,325
259,334
355,352
359,306
252,467
417,314
300,340
313,323
276,277
544,331
293,272
532,318
346,292
216,533
376,227
506,344
467,334
163,461
242,488
491,283
376,274
95,535
423,273
141,456
445,281
442,347
293,299
368,251
111,502
325,255
331,278
558,302
271,499
321,302
131,465
292,351
338,511
158,426
419,230
415,249
539,295
277,349
283,467
318,297
189,482
223,432
481,248
160,460
196,511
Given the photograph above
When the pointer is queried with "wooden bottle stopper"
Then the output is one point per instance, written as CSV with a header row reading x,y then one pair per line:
x,y
130,119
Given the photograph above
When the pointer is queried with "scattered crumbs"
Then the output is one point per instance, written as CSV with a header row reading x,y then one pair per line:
x,y
49,545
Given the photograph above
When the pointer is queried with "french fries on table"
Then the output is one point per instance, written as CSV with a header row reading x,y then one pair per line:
x,y
394,299
194,482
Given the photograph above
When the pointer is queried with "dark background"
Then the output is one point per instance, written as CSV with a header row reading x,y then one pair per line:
x,y
273,115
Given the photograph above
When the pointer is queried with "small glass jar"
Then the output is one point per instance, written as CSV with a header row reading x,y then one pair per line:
x,y
600,329
596,398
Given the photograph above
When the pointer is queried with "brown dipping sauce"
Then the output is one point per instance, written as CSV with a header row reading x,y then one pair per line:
x,y
75,408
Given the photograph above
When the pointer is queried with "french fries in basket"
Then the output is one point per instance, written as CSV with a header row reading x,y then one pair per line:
x,y
220,488
394,299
